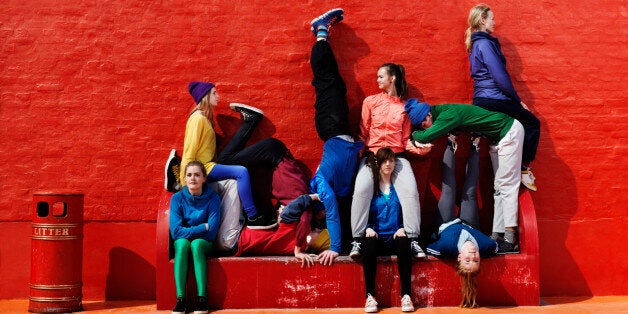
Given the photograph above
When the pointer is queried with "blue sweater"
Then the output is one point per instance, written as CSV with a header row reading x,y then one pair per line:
x,y
189,214
449,234
333,178
488,69
385,216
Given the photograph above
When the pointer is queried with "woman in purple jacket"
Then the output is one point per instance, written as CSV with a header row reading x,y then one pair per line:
x,y
492,87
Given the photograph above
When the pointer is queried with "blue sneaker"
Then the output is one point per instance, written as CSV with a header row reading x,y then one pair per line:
x,y
327,19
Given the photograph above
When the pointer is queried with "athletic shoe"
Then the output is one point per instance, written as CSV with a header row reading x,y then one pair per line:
x,y
371,304
355,250
259,222
475,141
171,172
406,304
451,142
506,247
527,179
416,249
201,306
248,113
180,307
327,19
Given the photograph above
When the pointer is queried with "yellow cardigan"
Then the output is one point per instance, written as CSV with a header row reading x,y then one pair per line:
x,y
199,143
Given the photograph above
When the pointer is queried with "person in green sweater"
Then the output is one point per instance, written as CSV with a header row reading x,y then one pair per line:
x,y
506,145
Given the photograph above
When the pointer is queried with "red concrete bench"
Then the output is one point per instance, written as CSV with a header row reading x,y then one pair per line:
x,y
279,282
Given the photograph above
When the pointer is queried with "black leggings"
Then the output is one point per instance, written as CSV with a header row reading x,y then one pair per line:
x,y
373,247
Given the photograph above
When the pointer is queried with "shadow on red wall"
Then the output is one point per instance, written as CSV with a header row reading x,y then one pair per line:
x,y
130,277
560,274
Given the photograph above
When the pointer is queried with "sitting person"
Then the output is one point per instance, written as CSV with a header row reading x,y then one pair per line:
x,y
200,144
385,234
459,237
194,219
298,233
506,141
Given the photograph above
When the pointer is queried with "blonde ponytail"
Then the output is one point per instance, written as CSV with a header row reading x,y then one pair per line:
x,y
477,13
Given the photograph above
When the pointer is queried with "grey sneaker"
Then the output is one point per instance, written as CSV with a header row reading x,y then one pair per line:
x,y
406,304
416,249
355,250
248,113
527,179
371,304
506,247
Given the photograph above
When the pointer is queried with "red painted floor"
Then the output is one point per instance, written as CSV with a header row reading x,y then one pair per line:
x,y
613,304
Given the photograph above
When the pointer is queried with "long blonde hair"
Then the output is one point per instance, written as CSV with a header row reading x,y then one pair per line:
x,y
469,287
477,13
205,108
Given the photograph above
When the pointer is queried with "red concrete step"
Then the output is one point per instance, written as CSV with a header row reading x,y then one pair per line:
x,y
279,282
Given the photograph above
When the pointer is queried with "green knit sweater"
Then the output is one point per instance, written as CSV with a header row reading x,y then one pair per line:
x,y
464,118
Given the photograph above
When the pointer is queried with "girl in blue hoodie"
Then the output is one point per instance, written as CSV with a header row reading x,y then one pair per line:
x,y
194,222
492,87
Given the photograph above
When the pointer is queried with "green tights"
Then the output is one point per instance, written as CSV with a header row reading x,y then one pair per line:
x,y
201,249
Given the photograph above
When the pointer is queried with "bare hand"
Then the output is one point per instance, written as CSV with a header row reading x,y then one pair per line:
x,y
307,260
525,106
327,257
370,233
400,233
315,197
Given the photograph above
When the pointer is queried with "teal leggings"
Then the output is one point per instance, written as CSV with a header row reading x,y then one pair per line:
x,y
201,249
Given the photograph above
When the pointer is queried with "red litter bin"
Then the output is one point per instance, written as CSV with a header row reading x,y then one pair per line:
x,y
57,253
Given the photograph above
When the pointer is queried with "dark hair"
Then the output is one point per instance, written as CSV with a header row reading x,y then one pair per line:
x,y
198,164
375,161
399,72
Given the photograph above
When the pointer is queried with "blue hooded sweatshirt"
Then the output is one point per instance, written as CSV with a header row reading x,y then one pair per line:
x,y
488,69
449,236
189,214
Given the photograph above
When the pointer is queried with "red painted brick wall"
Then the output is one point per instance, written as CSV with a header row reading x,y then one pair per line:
x,y
93,96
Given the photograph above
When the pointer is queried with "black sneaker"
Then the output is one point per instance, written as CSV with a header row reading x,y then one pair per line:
x,y
248,113
355,250
171,172
417,251
505,247
201,306
259,222
180,307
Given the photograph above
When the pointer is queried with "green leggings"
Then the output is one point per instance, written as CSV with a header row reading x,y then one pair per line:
x,y
201,249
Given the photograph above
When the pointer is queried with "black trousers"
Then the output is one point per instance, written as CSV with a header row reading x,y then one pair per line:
x,y
373,247
332,112
531,125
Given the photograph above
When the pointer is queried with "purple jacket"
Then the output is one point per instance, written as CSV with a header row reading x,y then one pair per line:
x,y
488,69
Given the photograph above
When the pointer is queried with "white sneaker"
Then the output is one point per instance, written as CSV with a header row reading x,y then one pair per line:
x,y
416,249
527,179
371,304
355,250
406,304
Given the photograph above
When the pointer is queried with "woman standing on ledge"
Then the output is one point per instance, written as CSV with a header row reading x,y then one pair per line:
x,y
492,87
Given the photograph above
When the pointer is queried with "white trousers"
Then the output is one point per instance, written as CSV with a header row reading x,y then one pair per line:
x,y
405,185
506,160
